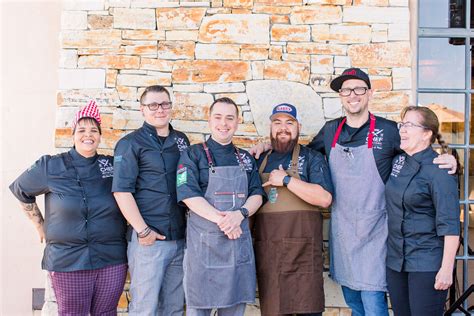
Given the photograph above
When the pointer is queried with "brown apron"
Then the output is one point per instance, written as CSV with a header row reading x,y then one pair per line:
x,y
288,249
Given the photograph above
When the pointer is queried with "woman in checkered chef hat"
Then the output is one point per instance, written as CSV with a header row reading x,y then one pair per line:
x,y
84,230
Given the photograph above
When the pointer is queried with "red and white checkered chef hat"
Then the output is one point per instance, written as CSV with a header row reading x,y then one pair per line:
x,y
90,110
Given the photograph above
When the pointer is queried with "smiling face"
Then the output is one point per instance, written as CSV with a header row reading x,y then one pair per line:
x,y
223,122
284,132
414,137
356,105
86,137
159,118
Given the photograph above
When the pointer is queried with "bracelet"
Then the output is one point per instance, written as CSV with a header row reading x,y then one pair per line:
x,y
144,232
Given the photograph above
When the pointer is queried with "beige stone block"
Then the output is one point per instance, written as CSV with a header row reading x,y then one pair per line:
x,y
213,11
380,37
154,3
241,11
127,93
188,87
176,50
216,3
163,79
399,3
381,83
193,3
394,54
366,14
81,78
316,48
399,32
133,71
156,64
101,51
239,98
191,106
320,33
178,19
238,3
293,33
248,52
101,12
390,101
273,10
379,71
320,83
91,39
148,50
181,35
111,78
279,19
297,57
117,3
127,119
379,3
79,97
334,311
68,58
342,61
257,70
195,138
379,27
217,51
109,61
333,2
191,126
279,2
83,5
285,70
98,22
143,35
224,87
134,19
332,108
275,53
211,71
342,34
322,64
235,29
316,14
74,20
402,78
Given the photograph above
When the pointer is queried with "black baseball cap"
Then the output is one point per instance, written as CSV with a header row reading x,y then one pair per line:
x,y
350,73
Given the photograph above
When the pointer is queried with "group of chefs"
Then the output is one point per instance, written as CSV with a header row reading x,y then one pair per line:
x,y
208,222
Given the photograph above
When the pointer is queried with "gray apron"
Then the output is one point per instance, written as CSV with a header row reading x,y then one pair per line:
x,y
220,272
359,230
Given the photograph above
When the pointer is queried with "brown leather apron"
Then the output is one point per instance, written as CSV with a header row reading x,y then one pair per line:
x,y
288,248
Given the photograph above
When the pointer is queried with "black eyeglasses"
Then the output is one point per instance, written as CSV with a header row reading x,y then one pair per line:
x,y
154,106
409,125
345,92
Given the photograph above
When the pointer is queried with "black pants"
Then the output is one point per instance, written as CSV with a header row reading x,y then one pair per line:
x,y
413,294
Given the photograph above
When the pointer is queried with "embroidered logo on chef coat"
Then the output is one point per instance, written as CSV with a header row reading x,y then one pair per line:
x,y
246,160
106,168
397,166
378,138
181,143
300,164
181,175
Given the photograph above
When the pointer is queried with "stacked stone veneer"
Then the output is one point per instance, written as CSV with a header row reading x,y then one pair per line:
x,y
258,52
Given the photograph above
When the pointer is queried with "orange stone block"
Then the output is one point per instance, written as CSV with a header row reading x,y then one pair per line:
x,y
156,64
107,119
316,48
101,51
149,50
179,18
109,61
267,9
286,70
241,11
245,142
238,3
210,71
276,53
95,21
253,53
279,19
390,101
176,49
280,2
379,71
294,33
393,54
316,14
381,83
110,137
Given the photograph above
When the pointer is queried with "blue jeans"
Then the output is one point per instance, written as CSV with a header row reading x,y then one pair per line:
x,y
366,303
156,273
236,310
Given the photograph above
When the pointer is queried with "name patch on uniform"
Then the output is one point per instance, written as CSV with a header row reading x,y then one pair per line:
x,y
182,175
106,168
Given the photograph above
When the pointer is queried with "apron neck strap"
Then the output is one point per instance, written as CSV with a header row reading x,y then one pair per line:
x,y
370,136
294,159
209,157
264,162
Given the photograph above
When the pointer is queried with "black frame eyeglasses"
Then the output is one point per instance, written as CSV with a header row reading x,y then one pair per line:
x,y
345,92
155,106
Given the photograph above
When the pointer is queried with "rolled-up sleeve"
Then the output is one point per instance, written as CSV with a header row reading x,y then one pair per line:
x,y
444,188
125,167
32,182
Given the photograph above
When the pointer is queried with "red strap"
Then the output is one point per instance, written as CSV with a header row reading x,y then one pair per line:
x,y
208,155
370,136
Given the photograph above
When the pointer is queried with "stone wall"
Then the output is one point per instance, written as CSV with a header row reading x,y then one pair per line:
x,y
258,52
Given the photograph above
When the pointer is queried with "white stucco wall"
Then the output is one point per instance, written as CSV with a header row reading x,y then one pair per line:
x,y
29,51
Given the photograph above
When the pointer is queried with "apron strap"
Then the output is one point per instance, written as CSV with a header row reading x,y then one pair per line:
x,y
295,160
370,136
264,162
208,155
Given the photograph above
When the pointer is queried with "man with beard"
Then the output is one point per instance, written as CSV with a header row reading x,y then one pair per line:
x,y
288,228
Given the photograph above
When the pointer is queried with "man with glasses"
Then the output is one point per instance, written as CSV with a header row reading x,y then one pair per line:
x,y
144,185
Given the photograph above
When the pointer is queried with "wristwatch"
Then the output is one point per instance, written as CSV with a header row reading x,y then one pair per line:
x,y
286,181
244,211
